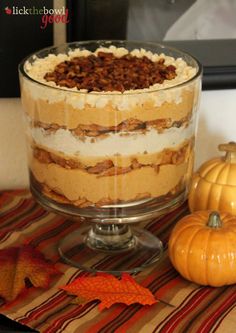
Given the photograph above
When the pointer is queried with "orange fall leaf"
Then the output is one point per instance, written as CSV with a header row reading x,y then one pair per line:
x,y
110,290
18,264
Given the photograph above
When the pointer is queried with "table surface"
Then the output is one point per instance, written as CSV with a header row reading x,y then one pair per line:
x,y
184,307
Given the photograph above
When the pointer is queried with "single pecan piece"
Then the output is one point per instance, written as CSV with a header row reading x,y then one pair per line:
x,y
114,171
101,167
42,155
135,164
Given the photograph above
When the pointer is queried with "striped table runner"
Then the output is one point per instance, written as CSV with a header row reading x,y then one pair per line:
x,y
185,307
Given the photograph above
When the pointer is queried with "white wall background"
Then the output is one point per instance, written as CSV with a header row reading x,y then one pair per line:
x,y
217,124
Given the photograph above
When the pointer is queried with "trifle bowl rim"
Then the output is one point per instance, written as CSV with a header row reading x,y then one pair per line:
x,y
108,43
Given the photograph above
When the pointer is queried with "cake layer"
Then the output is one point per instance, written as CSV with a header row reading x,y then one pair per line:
x,y
84,203
71,116
76,184
129,143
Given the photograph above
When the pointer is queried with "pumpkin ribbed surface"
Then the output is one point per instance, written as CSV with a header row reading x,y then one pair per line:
x,y
218,171
214,186
203,254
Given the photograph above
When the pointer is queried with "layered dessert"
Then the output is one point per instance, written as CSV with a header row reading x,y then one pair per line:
x,y
111,126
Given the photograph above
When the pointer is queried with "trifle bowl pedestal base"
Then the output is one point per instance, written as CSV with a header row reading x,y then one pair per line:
x,y
110,248
109,241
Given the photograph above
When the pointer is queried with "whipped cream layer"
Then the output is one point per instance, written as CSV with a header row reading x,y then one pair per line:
x,y
157,93
129,143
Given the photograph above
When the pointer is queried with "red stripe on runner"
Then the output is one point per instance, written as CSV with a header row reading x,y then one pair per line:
x,y
23,223
5,199
138,315
152,277
53,328
223,317
209,322
16,210
111,315
43,230
174,320
36,314
163,290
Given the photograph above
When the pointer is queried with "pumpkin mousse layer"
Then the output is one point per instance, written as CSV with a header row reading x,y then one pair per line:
x,y
110,126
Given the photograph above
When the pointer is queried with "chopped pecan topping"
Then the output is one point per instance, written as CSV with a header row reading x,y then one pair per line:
x,y
105,72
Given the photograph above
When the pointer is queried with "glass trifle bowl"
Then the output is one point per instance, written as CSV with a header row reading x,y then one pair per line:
x,y
110,128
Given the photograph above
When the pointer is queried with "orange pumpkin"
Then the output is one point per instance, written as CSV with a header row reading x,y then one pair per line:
x,y
202,248
213,186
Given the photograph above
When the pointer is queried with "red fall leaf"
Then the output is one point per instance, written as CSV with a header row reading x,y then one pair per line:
x,y
19,264
110,290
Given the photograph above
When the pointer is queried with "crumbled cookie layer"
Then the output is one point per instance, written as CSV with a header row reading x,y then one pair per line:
x,y
107,167
156,158
128,125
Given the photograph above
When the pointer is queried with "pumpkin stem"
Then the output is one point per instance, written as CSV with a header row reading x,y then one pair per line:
x,y
230,149
214,220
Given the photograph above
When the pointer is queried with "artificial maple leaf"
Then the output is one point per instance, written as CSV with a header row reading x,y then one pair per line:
x,y
19,264
109,290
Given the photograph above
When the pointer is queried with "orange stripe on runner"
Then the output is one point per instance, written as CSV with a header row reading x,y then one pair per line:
x,y
139,314
43,230
163,290
6,195
16,301
210,321
5,198
110,316
152,277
